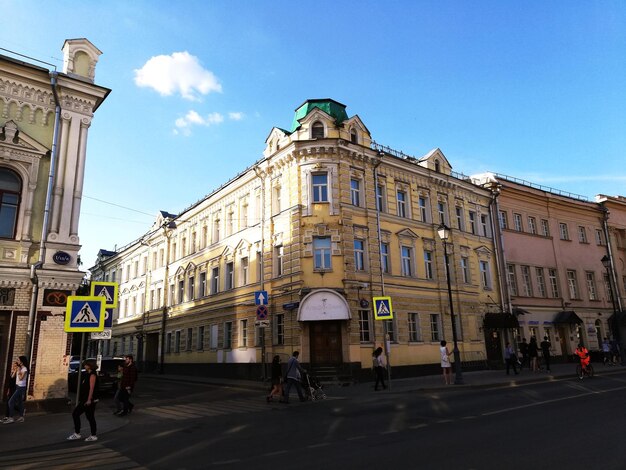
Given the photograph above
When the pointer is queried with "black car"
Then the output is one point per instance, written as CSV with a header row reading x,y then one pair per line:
x,y
107,374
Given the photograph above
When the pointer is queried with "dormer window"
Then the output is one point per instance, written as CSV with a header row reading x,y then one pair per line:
x,y
10,188
437,166
353,136
317,130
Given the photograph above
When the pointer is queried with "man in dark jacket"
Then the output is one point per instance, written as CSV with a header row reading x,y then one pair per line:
x,y
129,377
545,349
523,348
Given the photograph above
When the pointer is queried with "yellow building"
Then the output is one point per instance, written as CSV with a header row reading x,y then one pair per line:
x,y
325,221
41,184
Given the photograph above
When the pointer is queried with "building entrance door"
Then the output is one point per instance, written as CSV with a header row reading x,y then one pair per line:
x,y
493,344
152,352
325,339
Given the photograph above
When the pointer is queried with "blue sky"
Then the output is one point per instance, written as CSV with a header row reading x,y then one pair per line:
x,y
529,89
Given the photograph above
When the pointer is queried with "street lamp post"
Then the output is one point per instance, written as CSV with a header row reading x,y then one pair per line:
x,y
444,233
606,262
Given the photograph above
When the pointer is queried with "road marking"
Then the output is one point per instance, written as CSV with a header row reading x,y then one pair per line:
x,y
82,457
314,446
272,454
391,431
468,417
355,438
442,421
554,400
227,462
418,426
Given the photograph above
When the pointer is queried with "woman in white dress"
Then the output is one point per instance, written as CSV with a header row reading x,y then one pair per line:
x,y
446,367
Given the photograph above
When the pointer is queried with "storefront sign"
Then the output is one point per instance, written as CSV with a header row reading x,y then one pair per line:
x,y
7,296
61,257
55,297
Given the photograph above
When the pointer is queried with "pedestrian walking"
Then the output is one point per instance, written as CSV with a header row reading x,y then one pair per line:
x,y
615,352
277,379
523,348
119,406
293,377
606,352
129,378
545,350
446,367
510,358
87,399
379,368
533,354
19,372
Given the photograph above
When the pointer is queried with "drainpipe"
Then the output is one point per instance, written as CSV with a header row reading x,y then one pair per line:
x,y
261,174
494,207
32,314
607,236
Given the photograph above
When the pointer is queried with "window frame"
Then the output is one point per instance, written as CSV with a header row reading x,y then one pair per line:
x,y
324,253
319,190
14,205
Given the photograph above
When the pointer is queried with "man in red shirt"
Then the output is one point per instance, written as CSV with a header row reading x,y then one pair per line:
x,y
129,377
583,354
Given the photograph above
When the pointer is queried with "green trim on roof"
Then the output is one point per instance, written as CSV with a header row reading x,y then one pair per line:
x,y
331,107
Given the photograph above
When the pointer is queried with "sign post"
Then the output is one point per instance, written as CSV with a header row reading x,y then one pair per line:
x,y
260,300
384,311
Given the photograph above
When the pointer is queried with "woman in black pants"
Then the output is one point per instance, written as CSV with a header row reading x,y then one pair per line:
x,y
87,399
379,368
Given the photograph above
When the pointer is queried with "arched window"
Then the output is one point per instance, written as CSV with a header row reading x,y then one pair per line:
x,y
317,130
10,189
353,136
437,166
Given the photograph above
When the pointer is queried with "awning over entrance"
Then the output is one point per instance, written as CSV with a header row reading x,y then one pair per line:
x,y
519,311
323,304
500,320
567,316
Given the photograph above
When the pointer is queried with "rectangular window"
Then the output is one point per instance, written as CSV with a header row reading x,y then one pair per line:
x,y
459,218
435,327
545,228
279,257
177,341
230,276
591,285
123,344
359,255
554,283
162,257
390,330
320,187
472,222
563,231
277,199
244,271
228,335
215,280
415,334
259,265
428,264
183,247
423,206
168,343
517,221
485,274
364,326
158,298
527,286
484,226
194,243
582,234
465,270
154,260
502,219
205,236
384,257
230,220
402,208
200,338
181,291
243,333
442,212
191,287
202,286
321,253
599,237
355,192
541,282
607,288
407,261
572,284
532,225
512,279
279,329
380,198
189,339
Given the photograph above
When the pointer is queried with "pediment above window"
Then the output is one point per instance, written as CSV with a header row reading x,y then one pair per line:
x,y
13,137
407,233
483,251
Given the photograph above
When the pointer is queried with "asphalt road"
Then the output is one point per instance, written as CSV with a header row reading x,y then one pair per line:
x,y
560,424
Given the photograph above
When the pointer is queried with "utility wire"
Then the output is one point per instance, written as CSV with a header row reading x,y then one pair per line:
x,y
118,205
113,218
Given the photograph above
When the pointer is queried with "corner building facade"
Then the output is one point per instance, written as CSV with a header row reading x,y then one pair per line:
x,y
325,221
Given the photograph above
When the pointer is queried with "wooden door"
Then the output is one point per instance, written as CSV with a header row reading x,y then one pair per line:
x,y
326,342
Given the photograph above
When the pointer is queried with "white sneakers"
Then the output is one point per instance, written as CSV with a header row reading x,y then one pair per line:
x,y
19,419
76,437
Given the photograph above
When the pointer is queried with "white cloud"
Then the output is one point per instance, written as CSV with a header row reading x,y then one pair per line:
x,y
192,118
236,116
181,73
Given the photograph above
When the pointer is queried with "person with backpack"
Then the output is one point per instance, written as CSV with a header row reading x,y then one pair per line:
x,y
87,399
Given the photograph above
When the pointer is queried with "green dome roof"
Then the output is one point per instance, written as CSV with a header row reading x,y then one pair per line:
x,y
332,107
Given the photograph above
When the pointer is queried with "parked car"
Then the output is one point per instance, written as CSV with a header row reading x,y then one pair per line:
x,y
107,374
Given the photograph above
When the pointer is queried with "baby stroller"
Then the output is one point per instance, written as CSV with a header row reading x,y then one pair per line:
x,y
313,389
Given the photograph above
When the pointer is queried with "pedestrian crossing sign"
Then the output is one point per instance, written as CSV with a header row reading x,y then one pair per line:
x,y
84,313
108,290
382,308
